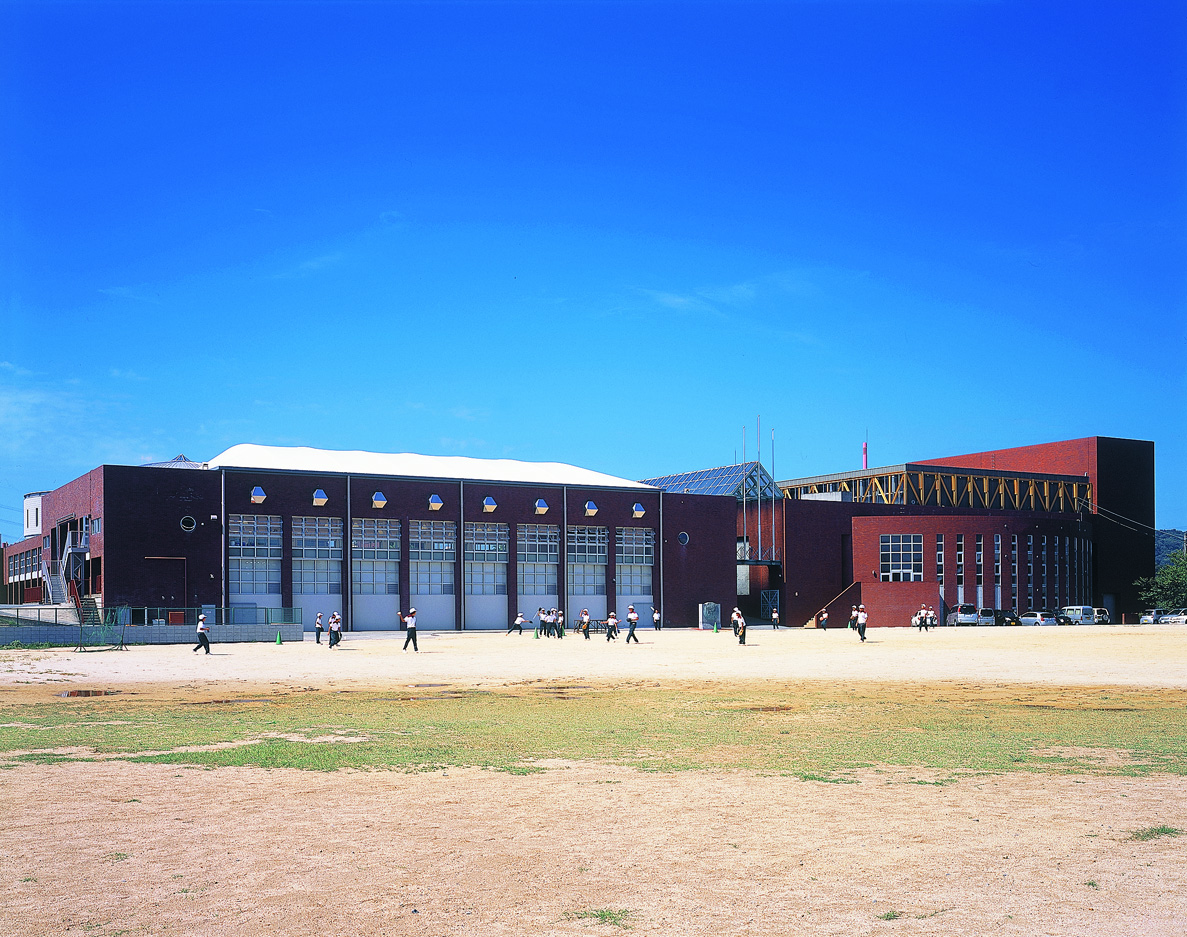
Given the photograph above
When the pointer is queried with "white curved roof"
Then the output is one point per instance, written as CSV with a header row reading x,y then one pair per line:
x,y
412,465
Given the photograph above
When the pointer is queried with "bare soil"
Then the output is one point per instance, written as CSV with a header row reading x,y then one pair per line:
x,y
112,848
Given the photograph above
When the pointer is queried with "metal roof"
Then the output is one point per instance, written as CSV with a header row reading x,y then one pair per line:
x,y
177,462
926,469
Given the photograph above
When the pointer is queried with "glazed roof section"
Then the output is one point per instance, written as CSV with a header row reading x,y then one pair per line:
x,y
413,465
723,480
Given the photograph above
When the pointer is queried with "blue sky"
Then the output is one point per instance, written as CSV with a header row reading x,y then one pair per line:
x,y
608,234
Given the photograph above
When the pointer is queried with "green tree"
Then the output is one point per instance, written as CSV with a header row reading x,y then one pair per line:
x,y
1167,588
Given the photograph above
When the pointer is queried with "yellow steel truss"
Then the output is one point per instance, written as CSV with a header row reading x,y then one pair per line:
x,y
958,490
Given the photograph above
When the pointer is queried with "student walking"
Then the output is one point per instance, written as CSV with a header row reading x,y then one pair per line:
x,y
656,619
550,622
853,619
318,628
741,625
585,623
517,625
560,623
611,627
775,619
632,619
335,629
862,618
203,634
410,621
540,616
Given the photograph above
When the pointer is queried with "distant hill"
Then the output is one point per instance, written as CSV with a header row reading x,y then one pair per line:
x,y
1166,542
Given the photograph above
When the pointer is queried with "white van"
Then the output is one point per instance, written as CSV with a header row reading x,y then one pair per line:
x,y
1079,614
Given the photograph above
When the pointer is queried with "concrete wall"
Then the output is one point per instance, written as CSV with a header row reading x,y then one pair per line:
x,y
67,636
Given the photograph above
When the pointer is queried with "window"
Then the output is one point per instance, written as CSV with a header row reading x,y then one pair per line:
x,y
635,546
980,559
317,577
587,579
960,560
1014,571
430,578
433,541
317,538
940,559
254,535
375,539
538,543
254,551
632,579
902,557
375,577
1030,571
1043,570
486,543
486,578
253,576
536,579
588,545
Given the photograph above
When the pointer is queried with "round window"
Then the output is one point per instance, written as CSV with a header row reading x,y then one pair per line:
x,y
188,523
682,537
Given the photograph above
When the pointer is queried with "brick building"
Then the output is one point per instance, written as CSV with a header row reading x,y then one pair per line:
x,y
468,542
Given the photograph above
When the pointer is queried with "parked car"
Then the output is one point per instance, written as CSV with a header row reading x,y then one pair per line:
x,y
1042,617
962,615
1103,617
1008,617
1151,615
1079,614
986,616
1176,616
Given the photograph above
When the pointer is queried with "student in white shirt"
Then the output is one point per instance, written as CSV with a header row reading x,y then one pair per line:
x,y
203,634
410,621
632,619
517,625
585,623
657,620
611,627
862,618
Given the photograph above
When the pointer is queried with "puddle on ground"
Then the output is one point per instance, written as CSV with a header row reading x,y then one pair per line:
x,y
73,693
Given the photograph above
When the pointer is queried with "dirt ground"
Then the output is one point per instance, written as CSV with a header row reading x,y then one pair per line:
x,y
111,848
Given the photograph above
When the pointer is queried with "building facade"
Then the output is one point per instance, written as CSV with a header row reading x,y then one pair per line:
x,y
467,542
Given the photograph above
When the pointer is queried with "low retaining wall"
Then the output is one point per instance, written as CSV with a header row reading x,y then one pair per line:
x,y
67,635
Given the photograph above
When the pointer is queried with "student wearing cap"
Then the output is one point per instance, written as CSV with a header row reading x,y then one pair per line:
x,y
318,628
632,619
741,626
862,617
853,618
611,627
203,634
517,625
585,623
410,621
657,620
775,619
335,629
824,619
734,616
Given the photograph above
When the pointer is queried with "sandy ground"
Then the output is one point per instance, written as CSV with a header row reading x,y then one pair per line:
x,y
109,848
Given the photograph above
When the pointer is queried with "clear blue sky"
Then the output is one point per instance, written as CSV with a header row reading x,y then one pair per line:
x,y
608,234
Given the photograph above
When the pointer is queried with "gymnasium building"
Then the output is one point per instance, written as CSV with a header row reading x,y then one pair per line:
x,y
271,534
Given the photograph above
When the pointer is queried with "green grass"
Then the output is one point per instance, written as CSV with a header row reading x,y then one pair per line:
x,y
818,734
615,917
890,916
1093,883
18,646
1154,832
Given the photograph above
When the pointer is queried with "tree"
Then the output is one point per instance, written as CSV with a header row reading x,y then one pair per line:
x,y
1167,588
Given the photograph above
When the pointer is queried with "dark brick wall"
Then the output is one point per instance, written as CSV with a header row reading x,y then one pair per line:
x,y
704,570
142,513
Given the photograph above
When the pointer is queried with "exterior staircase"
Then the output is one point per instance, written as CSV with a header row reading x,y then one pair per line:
x,y
88,611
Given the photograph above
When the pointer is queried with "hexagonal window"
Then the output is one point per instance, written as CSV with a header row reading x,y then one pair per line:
x,y
488,504
319,499
378,500
638,510
435,502
590,509
257,495
541,506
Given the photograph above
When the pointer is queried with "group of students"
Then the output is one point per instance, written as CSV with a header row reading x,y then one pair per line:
x,y
925,619
551,623
335,624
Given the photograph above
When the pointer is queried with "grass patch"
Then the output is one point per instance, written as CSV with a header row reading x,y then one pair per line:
x,y
1154,832
890,916
615,917
21,646
116,856
815,733
1093,883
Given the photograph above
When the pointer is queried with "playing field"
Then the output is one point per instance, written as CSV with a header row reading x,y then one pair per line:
x,y
961,782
